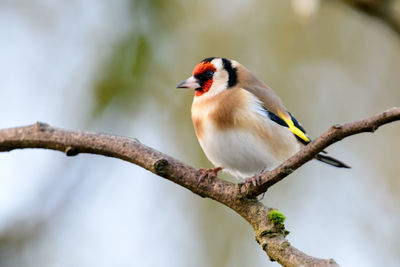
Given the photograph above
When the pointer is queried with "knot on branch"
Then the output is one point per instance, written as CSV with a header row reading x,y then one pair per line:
x,y
263,238
287,170
41,126
374,128
71,151
337,126
160,166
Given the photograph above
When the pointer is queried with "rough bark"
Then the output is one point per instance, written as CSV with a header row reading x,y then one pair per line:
x,y
269,233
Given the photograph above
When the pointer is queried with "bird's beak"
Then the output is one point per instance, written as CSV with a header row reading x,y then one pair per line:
x,y
190,83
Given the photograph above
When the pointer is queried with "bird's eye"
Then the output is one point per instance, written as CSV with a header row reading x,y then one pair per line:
x,y
208,74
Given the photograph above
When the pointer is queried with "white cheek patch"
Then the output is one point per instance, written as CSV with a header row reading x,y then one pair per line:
x,y
220,79
219,84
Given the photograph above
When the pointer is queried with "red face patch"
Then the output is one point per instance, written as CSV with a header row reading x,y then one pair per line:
x,y
204,89
203,67
201,72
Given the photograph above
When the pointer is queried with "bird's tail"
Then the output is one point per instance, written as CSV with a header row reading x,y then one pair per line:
x,y
331,161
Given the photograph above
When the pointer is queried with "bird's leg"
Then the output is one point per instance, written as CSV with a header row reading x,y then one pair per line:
x,y
262,197
256,178
208,173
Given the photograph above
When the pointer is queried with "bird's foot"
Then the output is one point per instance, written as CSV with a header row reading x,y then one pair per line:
x,y
208,173
256,178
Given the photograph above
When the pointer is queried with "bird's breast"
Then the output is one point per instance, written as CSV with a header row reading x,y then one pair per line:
x,y
236,150
220,109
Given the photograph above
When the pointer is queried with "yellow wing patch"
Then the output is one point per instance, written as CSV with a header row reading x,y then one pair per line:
x,y
302,135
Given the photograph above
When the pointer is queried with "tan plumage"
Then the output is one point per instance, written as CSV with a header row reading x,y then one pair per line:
x,y
251,83
241,123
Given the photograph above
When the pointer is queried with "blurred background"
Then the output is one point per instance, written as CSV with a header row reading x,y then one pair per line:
x,y
112,66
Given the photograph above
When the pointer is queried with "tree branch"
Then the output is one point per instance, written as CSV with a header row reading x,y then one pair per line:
x,y
383,10
270,233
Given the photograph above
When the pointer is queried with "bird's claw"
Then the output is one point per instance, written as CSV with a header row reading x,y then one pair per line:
x,y
208,173
255,179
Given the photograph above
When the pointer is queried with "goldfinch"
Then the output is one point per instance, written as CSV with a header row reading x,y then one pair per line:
x,y
241,123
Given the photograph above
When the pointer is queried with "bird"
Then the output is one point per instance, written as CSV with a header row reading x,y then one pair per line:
x,y
240,122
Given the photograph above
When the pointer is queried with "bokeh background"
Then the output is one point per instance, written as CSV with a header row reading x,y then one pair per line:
x,y
112,66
